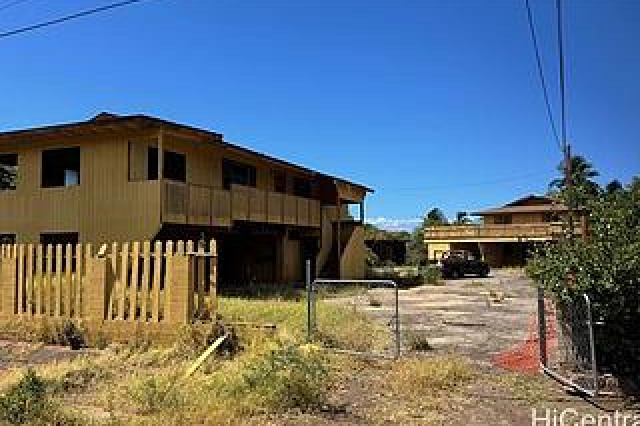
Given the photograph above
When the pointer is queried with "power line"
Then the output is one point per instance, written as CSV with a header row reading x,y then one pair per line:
x,y
9,4
543,81
68,18
563,102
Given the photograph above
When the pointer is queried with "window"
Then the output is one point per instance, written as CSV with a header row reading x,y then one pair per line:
x,y
7,238
235,173
55,238
503,219
279,182
302,187
8,171
60,167
174,165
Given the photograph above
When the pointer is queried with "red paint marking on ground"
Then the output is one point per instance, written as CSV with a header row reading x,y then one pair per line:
x,y
525,357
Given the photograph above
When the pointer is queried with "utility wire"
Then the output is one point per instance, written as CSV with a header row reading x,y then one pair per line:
x,y
563,102
68,18
9,4
543,81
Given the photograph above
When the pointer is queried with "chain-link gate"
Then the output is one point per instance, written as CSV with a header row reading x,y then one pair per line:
x,y
316,297
567,342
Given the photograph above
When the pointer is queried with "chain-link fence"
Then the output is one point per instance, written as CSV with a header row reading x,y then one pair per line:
x,y
567,342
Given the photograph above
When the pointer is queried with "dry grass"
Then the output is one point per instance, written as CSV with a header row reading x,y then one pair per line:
x,y
274,372
416,377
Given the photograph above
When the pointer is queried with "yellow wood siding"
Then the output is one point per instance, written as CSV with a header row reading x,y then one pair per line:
x,y
105,206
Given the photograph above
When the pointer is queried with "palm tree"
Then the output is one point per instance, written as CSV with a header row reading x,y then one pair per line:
x,y
582,174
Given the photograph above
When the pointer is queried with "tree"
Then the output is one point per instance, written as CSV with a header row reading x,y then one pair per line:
x,y
583,185
435,217
606,266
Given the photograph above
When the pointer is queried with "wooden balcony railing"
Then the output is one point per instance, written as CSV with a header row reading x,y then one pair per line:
x,y
532,231
204,205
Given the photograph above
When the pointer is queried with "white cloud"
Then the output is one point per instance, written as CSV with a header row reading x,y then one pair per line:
x,y
395,224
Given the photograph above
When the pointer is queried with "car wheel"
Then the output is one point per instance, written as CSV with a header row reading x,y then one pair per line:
x,y
484,273
455,274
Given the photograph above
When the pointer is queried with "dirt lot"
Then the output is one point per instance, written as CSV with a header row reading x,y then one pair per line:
x,y
476,318
466,323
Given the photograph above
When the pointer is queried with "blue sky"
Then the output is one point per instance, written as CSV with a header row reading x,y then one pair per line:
x,y
431,103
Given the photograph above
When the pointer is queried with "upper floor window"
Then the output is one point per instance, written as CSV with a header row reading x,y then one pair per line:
x,y
174,165
280,182
8,171
503,219
302,187
60,167
236,173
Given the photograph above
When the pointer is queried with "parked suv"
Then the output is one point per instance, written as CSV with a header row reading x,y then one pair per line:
x,y
458,263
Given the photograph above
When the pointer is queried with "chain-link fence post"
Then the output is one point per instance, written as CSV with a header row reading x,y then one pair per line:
x,y
542,327
592,342
309,300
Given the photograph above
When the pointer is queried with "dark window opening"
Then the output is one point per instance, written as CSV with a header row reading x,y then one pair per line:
x,y
503,219
280,182
302,187
7,238
152,163
8,171
174,165
55,238
234,173
60,167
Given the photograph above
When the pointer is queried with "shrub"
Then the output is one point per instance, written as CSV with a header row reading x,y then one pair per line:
x,y
417,341
25,401
288,377
431,275
605,266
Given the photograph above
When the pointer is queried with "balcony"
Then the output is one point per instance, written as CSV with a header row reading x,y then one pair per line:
x,y
194,204
513,232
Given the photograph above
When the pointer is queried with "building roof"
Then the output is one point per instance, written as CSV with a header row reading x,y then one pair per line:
x,y
106,122
528,204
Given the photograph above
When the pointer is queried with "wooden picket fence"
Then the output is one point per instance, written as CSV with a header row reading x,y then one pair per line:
x,y
141,283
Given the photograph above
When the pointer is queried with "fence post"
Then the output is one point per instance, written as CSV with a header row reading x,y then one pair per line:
x,y
309,298
180,300
592,344
8,279
542,327
213,280
96,289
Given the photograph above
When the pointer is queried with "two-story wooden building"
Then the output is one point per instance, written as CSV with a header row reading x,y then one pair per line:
x,y
505,234
123,178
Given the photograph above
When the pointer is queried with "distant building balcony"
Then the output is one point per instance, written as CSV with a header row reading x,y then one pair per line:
x,y
499,233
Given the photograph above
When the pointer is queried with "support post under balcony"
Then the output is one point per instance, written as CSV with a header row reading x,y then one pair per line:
x,y
160,138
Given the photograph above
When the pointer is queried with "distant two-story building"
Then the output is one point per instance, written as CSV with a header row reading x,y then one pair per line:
x,y
505,234
136,177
